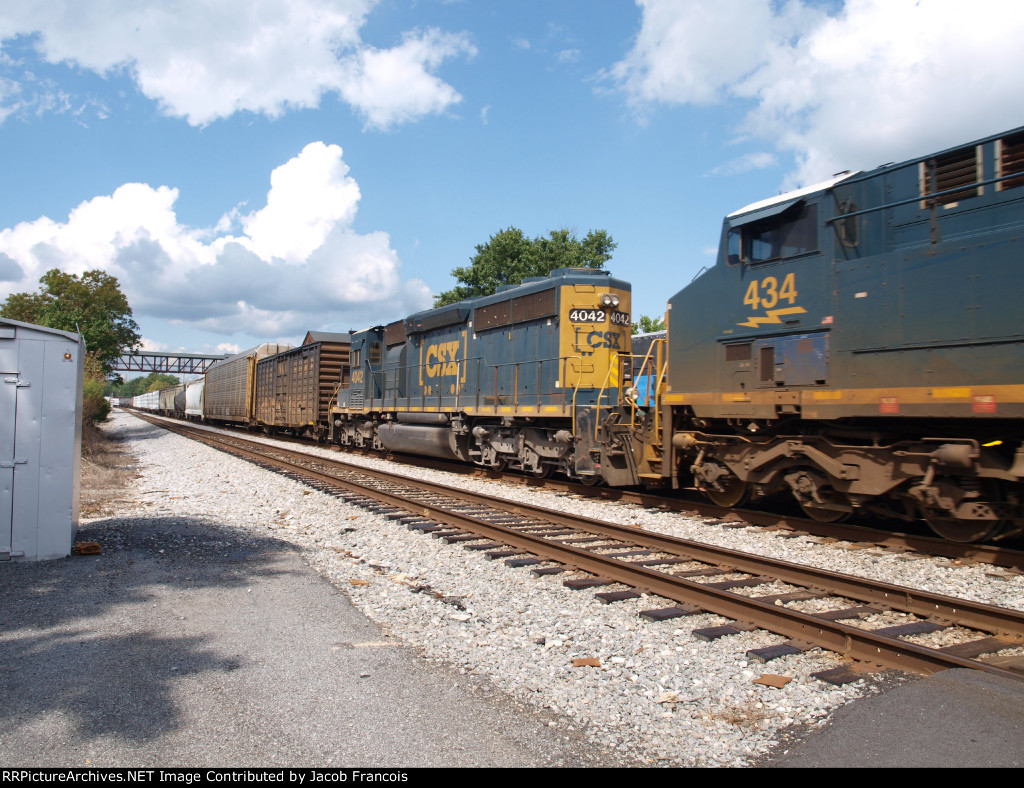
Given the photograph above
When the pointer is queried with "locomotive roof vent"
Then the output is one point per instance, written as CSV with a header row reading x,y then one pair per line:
x,y
580,272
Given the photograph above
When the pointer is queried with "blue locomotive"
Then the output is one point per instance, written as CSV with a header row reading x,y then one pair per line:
x,y
527,378
858,346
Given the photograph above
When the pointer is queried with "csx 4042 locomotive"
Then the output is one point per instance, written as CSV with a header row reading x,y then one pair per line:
x,y
526,378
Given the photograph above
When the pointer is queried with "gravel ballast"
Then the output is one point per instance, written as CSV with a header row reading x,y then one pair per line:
x,y
649,690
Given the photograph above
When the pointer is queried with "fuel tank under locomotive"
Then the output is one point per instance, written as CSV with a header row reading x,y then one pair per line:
x,y
428,434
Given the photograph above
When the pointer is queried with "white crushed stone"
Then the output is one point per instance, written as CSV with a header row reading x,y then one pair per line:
x,y
657,691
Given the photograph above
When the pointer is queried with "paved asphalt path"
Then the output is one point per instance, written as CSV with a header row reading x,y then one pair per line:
x,y
957,718
188,644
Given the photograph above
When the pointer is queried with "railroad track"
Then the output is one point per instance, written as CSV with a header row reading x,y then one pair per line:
x,y
692,577
695,505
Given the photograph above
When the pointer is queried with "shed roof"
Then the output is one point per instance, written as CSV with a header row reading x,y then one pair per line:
x,y
5,321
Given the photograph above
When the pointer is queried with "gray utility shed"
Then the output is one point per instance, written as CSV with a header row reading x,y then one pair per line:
x,y
41,372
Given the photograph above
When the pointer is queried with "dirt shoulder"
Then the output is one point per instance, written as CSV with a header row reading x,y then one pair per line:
x,y
108,469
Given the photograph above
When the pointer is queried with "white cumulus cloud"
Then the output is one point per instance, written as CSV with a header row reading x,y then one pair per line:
x,y
308,197
206,60
391,86
876,81
296,264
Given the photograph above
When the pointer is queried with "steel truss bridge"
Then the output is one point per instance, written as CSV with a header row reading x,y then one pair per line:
x,y
174,363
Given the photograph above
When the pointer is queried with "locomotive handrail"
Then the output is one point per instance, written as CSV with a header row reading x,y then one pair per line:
x,y
659,387
576,389
654,352
616,362
929,197
379,379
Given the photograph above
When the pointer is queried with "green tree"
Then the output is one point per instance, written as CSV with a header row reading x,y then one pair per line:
x,y
91,303
509,257
645,325
154,381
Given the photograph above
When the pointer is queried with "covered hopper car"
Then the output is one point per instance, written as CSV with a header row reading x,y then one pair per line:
x,y
194,399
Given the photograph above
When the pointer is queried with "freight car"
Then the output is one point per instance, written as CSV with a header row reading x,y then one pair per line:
x,y
194,399
525,378
150,401
180,400
858,346
294,389
230,392
166,399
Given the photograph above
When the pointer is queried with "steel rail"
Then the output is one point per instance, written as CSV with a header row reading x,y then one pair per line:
x,y
853,532
974,615
928,545
859,644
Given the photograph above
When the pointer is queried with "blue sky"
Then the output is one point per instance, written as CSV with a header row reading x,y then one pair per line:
x,y
252,169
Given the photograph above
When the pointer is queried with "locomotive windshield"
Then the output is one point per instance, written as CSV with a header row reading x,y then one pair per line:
x,y
791,233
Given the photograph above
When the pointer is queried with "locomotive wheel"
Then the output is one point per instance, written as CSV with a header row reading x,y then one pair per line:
x,y
735,492
825,515
963,530
541,471
810,489
591,481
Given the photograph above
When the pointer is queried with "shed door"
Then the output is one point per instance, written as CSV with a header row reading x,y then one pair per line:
x,y
8,402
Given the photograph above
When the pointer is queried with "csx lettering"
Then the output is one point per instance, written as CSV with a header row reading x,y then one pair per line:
x,y
604,339
440,359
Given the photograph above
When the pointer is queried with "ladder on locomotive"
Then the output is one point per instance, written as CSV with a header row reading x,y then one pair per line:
x,y
641,424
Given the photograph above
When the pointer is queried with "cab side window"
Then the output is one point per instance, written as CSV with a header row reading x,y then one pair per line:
x,y
793,233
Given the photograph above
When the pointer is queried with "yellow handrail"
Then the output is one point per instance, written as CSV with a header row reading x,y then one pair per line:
x,y
654,359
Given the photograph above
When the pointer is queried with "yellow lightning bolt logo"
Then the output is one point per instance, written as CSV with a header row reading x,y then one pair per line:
x,y
773,316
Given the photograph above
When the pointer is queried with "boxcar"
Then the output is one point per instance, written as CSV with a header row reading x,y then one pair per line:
x,y
294,389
